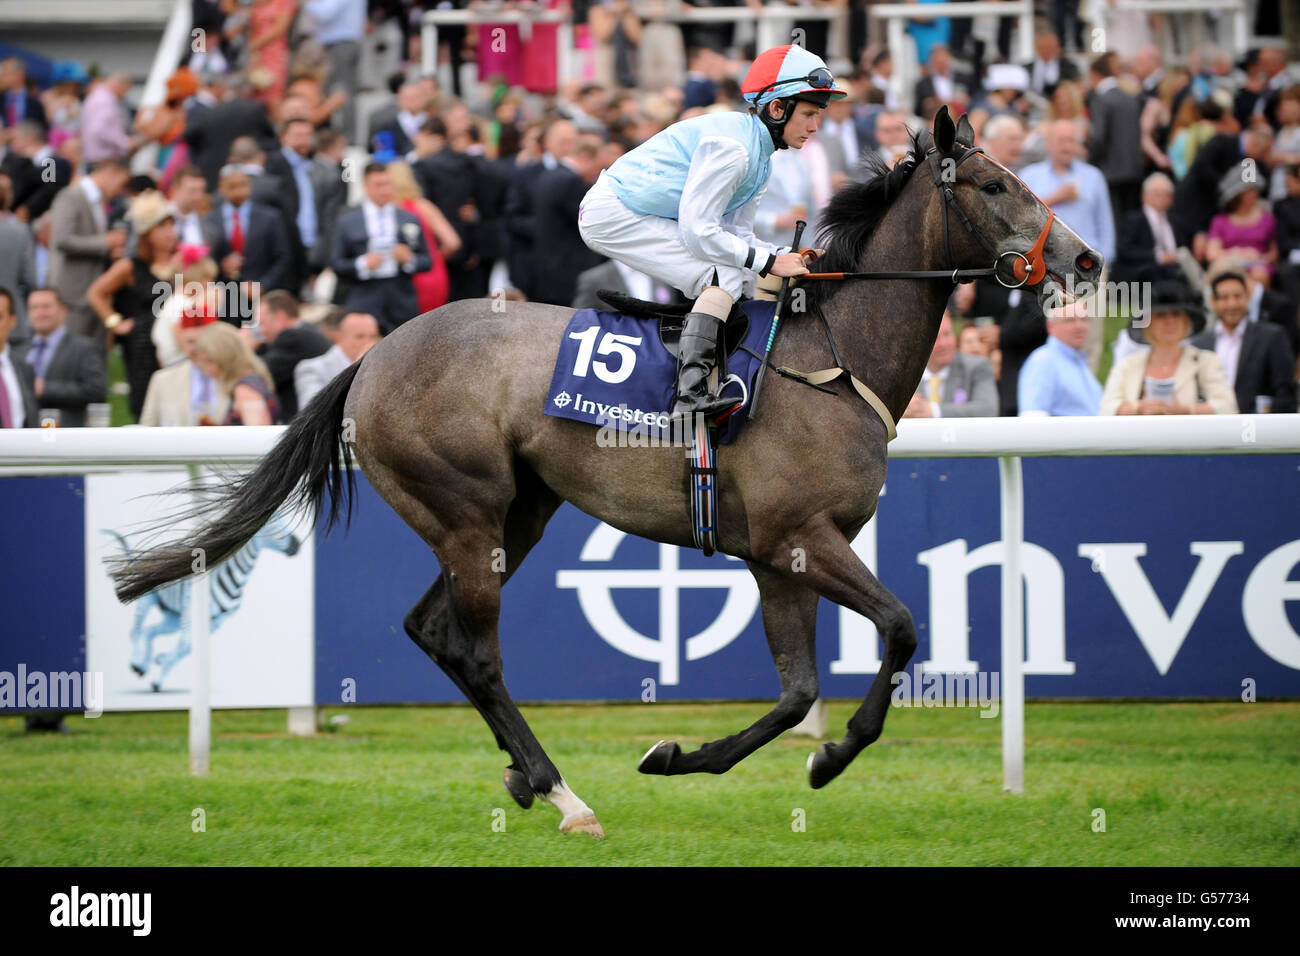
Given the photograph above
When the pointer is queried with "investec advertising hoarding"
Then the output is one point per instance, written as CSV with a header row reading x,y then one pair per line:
x,y
1152,577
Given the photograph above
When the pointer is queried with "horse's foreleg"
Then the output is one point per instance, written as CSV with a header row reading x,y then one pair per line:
x,y
836,573
790,622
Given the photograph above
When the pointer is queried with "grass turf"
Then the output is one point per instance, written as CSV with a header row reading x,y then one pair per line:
x,y
1180,784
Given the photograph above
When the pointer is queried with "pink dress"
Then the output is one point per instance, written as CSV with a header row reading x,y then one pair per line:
x,y
1259,235
274,57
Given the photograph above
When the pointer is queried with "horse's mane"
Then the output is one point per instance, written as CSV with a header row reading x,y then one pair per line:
x,y
853,213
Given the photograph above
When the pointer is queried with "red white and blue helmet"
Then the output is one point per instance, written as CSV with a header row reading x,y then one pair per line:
x,y
789,72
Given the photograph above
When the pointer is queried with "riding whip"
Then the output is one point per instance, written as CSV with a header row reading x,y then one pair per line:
x,y
776,319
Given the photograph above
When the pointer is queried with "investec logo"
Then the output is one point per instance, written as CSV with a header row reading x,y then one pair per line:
x,y
596,588
1161,633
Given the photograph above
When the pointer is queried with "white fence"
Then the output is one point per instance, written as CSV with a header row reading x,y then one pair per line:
x,y
49,450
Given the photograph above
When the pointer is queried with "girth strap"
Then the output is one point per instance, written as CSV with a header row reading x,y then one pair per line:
x,y
822,376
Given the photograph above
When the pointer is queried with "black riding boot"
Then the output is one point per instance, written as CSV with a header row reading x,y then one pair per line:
x,y
698,354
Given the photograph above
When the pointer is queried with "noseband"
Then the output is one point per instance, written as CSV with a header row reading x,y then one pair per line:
x,y
1029,268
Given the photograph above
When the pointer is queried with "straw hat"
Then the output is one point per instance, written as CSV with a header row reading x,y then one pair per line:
x,y
148,210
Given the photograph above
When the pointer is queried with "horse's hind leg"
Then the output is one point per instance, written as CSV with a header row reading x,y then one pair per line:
x,y
456,624
790,622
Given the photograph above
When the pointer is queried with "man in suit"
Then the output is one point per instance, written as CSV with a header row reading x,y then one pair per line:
x,y
291,165
940,82
211,130
353,335
287,342
180,394
17,265
617,276
36,173
1116,144
251,244
557,194
1268,305
377,248
450,179
954,384
399,134
81,244
558,141
1145,237
331,194
17,102
699,89
1049,68
1256,356
1259,95
18,408
69,369
842,128
1196,198
381,117
277,193
189,198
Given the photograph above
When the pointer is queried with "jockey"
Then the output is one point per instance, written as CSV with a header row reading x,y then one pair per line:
x,y
680,207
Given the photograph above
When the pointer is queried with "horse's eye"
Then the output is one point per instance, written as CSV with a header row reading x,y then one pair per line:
x,y
994,188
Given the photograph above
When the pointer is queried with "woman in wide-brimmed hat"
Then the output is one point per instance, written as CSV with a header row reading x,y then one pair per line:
x,y
1244,229
133,291
1172,377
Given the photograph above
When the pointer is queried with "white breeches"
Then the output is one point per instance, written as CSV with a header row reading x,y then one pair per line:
x,y
651,244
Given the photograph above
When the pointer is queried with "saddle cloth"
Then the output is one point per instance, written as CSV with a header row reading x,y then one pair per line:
x,y
614,371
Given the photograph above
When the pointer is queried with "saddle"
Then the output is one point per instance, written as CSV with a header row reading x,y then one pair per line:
x,y
672,316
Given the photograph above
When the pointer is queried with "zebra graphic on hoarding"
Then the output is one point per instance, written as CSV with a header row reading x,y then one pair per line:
x,y
226,583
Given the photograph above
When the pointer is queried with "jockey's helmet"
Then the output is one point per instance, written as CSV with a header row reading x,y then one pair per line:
x,y
787,73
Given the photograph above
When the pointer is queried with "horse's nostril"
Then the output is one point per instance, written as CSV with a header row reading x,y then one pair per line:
x,y
1085,262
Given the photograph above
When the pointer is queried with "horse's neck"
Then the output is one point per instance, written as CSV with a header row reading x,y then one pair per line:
x,y
885,329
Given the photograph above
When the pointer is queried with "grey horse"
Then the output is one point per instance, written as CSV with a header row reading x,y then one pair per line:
x,y
445,417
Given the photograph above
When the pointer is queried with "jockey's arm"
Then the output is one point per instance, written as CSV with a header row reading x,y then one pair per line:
x,y
717,168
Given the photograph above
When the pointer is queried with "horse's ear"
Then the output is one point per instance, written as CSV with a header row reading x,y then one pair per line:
x,y
965,132
944,132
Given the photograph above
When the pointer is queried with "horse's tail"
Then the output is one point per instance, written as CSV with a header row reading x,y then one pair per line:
x,y
304,462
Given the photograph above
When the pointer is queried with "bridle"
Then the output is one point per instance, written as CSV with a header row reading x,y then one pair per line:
x,y
1029,268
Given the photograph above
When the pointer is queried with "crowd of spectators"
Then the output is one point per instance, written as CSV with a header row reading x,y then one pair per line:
x,y
210,238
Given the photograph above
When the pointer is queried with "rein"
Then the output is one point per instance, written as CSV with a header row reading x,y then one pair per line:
x,y
1029,268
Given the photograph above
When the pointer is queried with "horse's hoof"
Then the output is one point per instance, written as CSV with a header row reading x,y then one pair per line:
x,y
157,686
139,671
659,757
822,768
517,784
586,823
